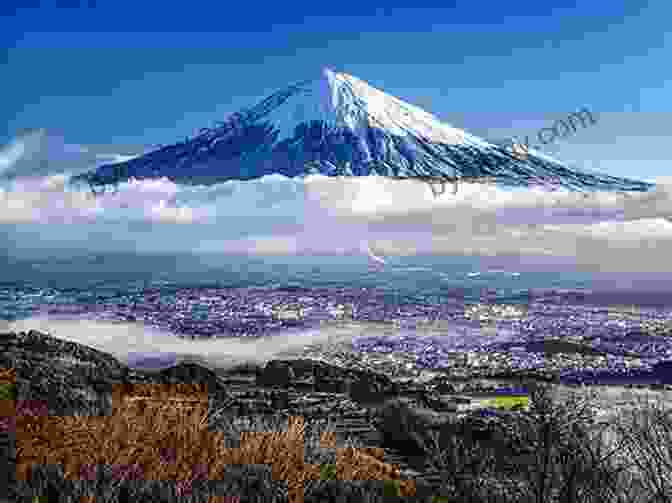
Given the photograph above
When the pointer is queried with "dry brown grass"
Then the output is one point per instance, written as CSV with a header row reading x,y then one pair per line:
x,y
7,376
147,420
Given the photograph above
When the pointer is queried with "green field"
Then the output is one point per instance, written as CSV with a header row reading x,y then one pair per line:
x,y
510,402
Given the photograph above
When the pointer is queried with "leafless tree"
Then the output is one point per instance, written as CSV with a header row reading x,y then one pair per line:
x,y
647,434
560,462
461,459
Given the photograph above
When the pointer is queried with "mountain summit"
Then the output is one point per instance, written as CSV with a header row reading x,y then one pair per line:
x,y
338,125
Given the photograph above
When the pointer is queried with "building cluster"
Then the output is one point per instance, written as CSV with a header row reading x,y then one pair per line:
x,y
485,312
289,312
298,311
472,363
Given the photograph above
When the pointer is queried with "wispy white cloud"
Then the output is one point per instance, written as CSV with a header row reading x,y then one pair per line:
x,y
40,152
10,154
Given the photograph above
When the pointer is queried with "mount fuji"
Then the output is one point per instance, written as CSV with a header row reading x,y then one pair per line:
x,y
338,125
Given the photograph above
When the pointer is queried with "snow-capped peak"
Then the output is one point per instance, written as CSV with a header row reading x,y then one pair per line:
x,y
359,106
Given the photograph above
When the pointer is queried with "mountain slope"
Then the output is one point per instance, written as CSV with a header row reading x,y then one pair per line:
x,y
338,125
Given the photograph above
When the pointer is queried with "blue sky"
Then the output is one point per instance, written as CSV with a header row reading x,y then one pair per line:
x,y
122,73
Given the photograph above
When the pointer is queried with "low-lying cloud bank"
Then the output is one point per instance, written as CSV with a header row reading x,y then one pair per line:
x,y
149,348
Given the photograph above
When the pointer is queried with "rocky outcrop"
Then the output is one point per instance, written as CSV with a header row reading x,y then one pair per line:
x,y
68,377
